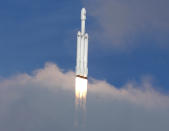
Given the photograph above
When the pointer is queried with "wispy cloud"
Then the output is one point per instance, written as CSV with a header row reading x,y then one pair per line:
x,y
122,23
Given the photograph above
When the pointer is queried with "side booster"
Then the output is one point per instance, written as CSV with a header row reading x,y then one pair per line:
x,y
82,49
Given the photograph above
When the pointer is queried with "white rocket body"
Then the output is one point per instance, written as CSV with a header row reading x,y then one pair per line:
x,y
82,49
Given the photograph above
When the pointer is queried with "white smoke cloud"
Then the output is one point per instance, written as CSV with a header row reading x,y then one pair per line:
x,y
121,22
45,100
143,94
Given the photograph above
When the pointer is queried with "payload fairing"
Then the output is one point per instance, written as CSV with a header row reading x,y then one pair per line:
x,y
82,49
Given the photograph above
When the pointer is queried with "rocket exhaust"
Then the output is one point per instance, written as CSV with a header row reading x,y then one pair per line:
x,y
80,102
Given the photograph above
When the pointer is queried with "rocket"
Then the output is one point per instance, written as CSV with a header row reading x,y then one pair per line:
x,y
82,49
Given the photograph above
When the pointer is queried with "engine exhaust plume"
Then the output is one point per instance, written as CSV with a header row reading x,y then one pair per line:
x,y
80,92
80,102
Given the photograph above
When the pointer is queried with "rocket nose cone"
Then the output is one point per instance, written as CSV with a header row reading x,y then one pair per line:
x,y
78,33
83,10
83,13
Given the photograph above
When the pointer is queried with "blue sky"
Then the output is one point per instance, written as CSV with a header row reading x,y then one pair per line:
x,y
34,32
